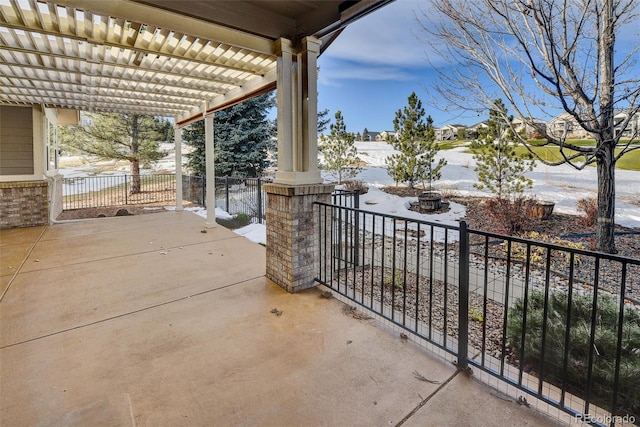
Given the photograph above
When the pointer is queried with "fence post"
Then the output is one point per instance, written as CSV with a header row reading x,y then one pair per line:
x,y
126,190
463,299
226,188
259,200
204,191
356,226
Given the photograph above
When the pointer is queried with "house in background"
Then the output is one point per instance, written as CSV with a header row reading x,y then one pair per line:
x,y
370,136
473,131
632,129
530,129
449,132
386,135
565,126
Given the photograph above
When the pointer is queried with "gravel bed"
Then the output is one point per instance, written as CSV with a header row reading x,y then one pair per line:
x,y
427,301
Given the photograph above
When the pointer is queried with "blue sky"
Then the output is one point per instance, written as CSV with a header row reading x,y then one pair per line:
x,y
374,65
371,69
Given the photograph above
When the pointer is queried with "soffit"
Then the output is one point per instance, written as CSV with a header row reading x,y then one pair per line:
x,y
164,58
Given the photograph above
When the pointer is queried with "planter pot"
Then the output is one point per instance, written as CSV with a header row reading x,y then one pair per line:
x,y
430,201
542,210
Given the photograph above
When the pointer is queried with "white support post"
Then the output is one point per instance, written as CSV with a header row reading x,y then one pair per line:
x,y
309,96
298,113
177,132
210,172
285,117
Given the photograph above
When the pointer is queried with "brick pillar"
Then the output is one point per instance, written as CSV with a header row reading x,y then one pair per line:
x,y
292,233
24,203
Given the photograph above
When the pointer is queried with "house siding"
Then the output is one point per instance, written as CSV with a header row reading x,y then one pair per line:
x,y
16,141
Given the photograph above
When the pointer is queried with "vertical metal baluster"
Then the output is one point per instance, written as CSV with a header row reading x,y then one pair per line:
x,y
594,318
545,313
616,372
567,334
507,284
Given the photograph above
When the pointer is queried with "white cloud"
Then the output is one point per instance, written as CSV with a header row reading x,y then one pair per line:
x,y
390,36
336,71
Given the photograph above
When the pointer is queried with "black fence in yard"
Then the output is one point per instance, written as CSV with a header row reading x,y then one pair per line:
x,y
234,195
559,323
116,190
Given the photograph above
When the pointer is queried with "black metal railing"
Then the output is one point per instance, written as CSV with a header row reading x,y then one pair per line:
x,y
234,195
559,323
242,196
116,190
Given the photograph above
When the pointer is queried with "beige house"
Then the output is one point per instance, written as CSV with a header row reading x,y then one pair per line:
x,y
530,129
632,130
449,132
565,126
386,135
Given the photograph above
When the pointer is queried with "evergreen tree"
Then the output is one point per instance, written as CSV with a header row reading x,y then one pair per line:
x,y
416,145
499,169
243,139
131,137
323,120
365,135
340,154
165,128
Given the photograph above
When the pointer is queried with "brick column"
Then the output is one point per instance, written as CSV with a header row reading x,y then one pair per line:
x,y
292,233
24,203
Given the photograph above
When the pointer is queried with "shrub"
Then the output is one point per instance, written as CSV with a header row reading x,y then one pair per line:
x,y
243,219
588,206
356,185
604,350
510,216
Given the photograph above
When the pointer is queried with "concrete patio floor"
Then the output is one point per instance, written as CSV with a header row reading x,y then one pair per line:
x,y
148,321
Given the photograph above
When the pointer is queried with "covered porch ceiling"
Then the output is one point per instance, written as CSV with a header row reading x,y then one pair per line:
x,y
160,57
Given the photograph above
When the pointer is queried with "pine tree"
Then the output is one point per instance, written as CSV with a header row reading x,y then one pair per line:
x,y
323,120
131,137
340,154
416,145
243,139
365,135
500,170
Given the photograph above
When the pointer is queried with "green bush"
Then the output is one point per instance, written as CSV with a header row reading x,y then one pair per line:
x,y
604,352
243,219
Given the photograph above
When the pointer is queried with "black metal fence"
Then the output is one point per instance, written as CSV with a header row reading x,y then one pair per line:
x,y
234,195
559,323
116,190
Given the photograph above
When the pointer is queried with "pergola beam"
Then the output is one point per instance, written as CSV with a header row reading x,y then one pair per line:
x,y
174,21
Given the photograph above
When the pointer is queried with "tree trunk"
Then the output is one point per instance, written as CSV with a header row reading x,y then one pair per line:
x,y
135,161
605,225
135,177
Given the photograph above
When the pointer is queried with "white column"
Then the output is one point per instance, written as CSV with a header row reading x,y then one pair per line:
x,y
309,96
177,137
298,113
285,108
210,172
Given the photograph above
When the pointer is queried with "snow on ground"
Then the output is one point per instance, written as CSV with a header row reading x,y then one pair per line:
x,y
563,185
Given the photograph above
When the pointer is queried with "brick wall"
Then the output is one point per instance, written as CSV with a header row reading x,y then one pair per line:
x,y
292,234
24,204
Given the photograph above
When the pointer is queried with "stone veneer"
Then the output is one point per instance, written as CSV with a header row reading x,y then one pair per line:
x,y
292,233
24,203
